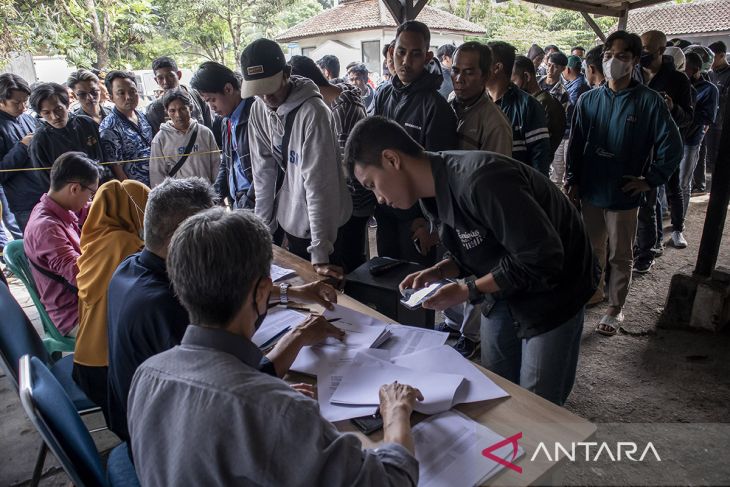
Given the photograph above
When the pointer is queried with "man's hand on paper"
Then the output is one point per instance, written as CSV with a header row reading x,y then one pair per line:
x,y
447,296
315,292
398,398
316,330
306,389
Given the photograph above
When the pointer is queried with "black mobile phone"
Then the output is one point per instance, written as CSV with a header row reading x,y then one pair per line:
x,y
369,424
380,265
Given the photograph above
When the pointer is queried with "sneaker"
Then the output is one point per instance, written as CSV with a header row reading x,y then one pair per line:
x,y
443,327
643,266
678,240
466,347
658,250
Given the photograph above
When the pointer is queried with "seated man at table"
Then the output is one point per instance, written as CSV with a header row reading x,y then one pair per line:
x,y
203,413
52,237
144,316
505,223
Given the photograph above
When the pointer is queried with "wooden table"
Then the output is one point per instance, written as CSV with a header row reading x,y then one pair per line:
x,y
523,412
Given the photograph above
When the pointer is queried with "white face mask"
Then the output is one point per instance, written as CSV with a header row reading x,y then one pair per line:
x,y
615,69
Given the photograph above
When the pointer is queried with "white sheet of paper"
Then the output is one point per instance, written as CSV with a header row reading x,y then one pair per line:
x,y
361,331
327,384
277,320
449,451
361,385
409,339
418,296
476,386
278,273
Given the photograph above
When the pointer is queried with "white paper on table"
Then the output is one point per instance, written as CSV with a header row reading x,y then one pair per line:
x,y
327,384
408,339
278,273
277,320
361,332
360,385
476,386
449,451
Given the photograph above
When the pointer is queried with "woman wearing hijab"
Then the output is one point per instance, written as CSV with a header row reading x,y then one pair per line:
x,y
111,233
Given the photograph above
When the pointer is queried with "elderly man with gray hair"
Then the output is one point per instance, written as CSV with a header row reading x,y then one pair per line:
x,y
146,318
204,414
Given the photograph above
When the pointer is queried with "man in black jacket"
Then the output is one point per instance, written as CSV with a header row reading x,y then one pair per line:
x,y
413,101
659,74
504,223
221,90
22,188
61,131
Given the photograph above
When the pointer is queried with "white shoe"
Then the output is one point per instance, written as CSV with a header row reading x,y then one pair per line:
x,y
678,240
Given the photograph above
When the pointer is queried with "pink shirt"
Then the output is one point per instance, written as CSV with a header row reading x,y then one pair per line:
x,y
51,241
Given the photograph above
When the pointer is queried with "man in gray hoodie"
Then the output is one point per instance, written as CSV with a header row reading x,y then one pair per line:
x,y
302,193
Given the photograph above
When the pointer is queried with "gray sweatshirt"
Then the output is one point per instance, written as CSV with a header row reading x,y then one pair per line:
x,y
314,200
169,144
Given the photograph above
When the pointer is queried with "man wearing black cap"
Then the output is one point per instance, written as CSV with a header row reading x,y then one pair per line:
x,y
300,187
552,81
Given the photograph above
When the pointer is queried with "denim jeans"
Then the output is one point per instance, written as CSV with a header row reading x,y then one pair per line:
x,y
8,220
544,364
690,157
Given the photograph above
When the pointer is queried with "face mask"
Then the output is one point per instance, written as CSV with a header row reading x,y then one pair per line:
x,y
615,69
646,59
259,317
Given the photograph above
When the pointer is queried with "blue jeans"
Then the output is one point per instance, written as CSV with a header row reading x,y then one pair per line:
x,y
9,220
544,364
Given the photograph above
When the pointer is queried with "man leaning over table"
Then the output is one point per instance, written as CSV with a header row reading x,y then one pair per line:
x,y
506,224
203,413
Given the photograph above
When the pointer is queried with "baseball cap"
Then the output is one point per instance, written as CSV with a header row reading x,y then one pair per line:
x,y
574,61
559,58
262,64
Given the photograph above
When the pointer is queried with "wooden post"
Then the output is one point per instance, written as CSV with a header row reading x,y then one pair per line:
x,y
717,206
623,17
596,28
402,10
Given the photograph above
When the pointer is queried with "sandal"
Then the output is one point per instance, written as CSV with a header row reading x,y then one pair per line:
x,y
611,322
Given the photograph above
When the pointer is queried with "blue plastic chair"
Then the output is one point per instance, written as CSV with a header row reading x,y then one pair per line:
x,y
18,338
17,261
59,424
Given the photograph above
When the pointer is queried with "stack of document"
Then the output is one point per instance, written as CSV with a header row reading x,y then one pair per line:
x,y
449,450
277,322
361,332
280,273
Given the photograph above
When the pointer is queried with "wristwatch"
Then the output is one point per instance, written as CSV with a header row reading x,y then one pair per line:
x,y
283,296
475,295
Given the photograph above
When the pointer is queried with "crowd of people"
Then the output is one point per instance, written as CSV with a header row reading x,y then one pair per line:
x,y
537,183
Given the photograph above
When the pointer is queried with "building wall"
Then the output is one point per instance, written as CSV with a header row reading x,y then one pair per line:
x,y
351,51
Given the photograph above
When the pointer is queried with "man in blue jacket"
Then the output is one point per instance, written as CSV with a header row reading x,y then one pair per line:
x,y
623,144
22,188
221,90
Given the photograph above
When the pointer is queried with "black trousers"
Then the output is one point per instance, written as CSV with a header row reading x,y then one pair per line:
x,y
394,238
93,381
354,242
646,232
298,246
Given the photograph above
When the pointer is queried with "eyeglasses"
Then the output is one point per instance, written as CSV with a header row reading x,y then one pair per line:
x,y
90,190
81,95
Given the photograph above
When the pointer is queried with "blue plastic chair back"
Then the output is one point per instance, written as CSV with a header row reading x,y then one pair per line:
x,y
55,417
17,336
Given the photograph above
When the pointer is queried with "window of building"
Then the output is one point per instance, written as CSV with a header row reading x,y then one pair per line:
x,y
371,55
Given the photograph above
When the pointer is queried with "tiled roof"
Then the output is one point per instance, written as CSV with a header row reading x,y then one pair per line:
x,y
684,18
355,15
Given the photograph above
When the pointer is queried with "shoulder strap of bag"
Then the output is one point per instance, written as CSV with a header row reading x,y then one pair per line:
x,y
55,277
289,124
184,158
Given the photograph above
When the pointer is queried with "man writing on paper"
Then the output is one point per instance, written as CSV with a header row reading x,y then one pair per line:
x,y
204,414
509,225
